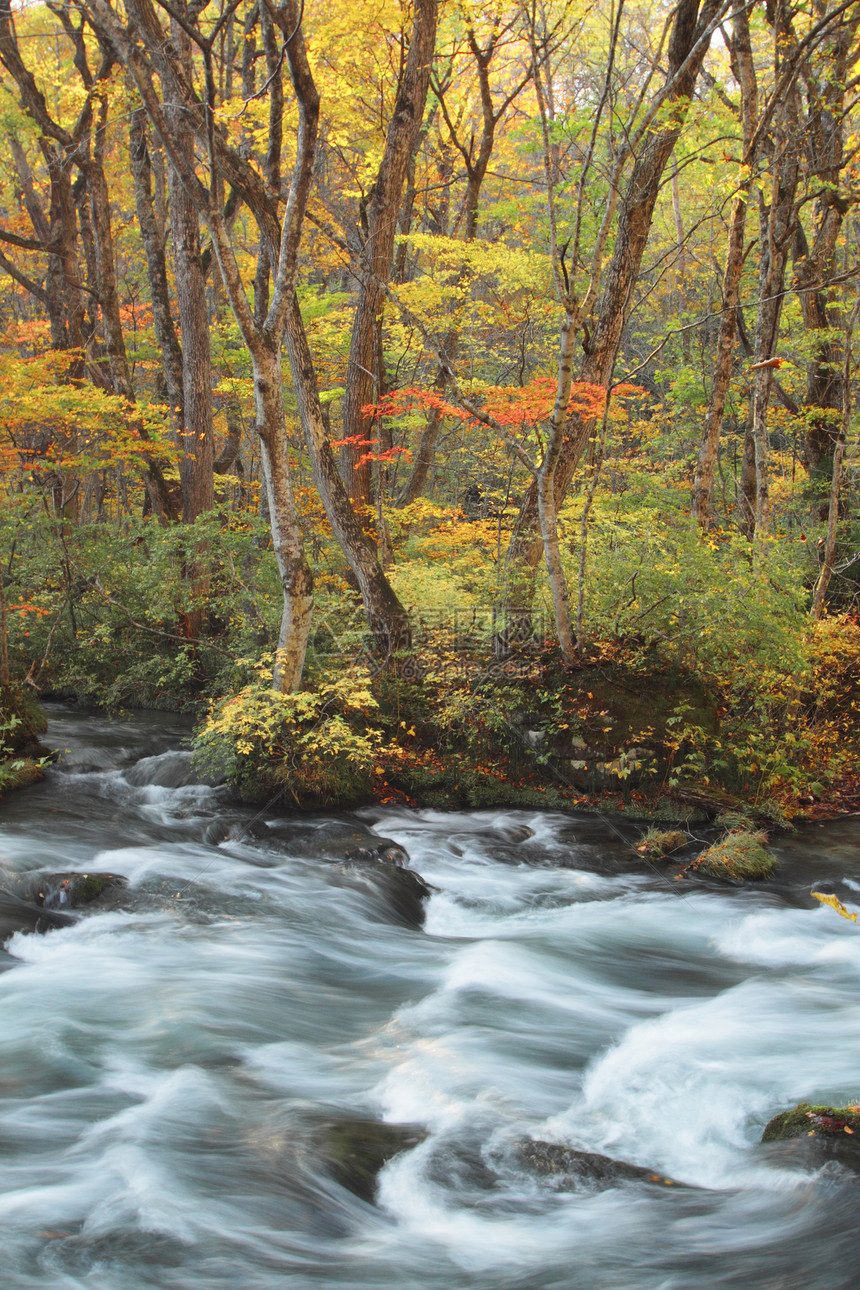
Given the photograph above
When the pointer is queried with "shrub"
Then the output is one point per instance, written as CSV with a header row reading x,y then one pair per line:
x,y
315,745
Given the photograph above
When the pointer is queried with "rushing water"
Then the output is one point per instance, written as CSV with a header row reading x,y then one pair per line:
x,y
170,1066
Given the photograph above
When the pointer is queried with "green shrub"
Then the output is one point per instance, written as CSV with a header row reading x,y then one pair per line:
x,y
315,746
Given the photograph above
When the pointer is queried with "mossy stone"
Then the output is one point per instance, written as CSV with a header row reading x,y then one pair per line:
x,y
19,773
741,857
806,1120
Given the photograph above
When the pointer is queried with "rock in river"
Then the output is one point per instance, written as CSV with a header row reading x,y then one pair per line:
x,y
572,1170
356,1150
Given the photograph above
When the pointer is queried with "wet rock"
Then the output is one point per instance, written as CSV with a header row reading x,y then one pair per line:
x,y
572,1170
814,1137
402,891
18,915
514,833
229,830
355,1151
740,857
71,890
387,851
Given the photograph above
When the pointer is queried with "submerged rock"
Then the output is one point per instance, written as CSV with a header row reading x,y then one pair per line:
x,y
740,857
403,891
355,1151
386,851
572,1170
17,915
71,890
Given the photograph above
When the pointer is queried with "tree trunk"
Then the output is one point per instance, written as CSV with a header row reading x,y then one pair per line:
x,y
156,266
826,79
382,212
388,620
293,569
196,438
744,70
687,47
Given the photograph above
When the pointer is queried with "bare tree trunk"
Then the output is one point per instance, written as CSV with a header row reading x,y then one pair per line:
x,y
196,436
293,568
747,490
777,223
826,80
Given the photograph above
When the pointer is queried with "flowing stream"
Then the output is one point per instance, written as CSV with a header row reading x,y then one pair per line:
x,y
176,1065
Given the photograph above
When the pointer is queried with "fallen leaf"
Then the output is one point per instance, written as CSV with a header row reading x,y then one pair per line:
x,y
835,903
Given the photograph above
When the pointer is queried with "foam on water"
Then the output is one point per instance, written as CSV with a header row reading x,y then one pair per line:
x,y
171,1066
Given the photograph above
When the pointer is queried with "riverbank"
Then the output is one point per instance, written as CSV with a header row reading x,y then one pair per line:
x,y
620,733
22,754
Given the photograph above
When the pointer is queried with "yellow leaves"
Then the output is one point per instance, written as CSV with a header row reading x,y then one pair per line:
x,y
834,903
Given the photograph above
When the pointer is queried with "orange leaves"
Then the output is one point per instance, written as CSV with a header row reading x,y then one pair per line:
x,y
359,441
515,407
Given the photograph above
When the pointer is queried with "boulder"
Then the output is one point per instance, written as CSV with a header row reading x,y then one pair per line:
x,y
806,1121
71,890
570,1169
18,915
402,891
355,1150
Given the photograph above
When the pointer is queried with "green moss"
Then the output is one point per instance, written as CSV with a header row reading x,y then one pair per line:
x,y
18,772
741,856
806,1120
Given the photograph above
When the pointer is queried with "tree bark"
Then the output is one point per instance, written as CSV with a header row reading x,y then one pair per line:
x,y
744,70
378,250
156,266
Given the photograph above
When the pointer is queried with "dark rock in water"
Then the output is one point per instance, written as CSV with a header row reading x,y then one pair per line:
x,y
805,1120
811,1137
403,891
514,833
356,1150
573,1170
17,915
818,1133
387,851
71,890
227,830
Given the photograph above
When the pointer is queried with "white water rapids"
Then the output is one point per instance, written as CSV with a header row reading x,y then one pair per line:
x,y
167,1065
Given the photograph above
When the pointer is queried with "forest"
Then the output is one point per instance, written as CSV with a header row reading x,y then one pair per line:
x,y
444,402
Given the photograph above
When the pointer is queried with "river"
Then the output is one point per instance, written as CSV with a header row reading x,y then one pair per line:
x,y
172,1066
